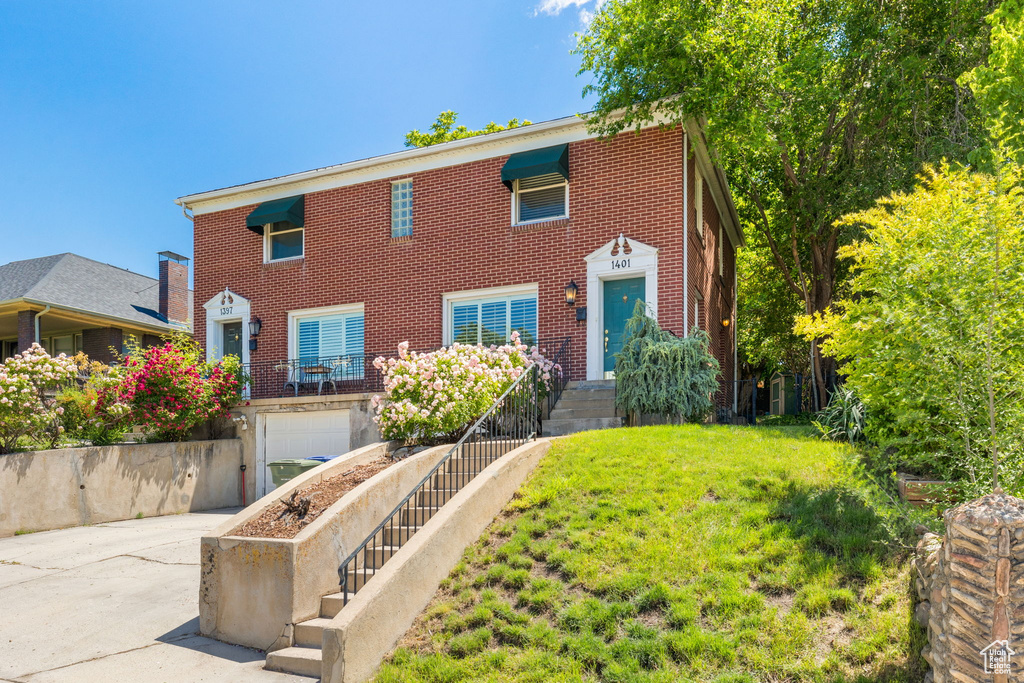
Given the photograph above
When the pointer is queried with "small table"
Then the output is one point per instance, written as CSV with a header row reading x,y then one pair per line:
x,y
321,375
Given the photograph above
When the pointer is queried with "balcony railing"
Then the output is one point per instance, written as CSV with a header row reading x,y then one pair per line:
x,y
354,373
348,374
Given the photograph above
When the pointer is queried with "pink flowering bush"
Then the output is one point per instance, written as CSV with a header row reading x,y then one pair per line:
x,y
28,407
434,396
170,389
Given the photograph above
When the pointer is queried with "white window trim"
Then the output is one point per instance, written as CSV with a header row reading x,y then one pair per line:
x,y
295,316
515,203
642,261
721,252
698,199
235,310
267,248
392,199
452,298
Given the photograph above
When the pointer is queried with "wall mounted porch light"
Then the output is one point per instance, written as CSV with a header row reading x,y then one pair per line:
x,y
725,322
255,325
571,290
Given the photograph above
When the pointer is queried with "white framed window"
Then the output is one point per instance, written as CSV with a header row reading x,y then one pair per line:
x,y
698,199
491,316
283,241
401,208
721,252
541,198
330,338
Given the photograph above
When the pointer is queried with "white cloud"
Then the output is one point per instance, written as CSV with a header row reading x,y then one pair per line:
x,y
555,7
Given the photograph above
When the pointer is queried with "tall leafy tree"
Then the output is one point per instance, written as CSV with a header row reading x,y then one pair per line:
x,y
814,108
445,130
999,83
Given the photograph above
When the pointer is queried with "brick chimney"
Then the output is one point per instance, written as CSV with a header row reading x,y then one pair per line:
x,y
174,286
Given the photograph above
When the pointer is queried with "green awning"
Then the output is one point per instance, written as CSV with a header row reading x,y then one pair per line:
x,y
290,209
536,162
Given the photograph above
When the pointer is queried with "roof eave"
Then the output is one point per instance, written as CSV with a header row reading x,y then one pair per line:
x,y
441,149
125,322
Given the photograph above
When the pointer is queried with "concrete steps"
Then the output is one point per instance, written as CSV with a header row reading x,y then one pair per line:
x,y
302,661
583,406
304,658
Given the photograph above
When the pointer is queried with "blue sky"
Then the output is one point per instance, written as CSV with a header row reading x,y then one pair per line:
x,y
111,110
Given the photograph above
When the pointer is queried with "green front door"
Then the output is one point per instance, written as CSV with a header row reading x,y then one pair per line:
x,y
619,299
232,339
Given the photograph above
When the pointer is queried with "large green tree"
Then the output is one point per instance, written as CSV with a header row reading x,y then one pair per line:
x,y
999,83
445,130
814,108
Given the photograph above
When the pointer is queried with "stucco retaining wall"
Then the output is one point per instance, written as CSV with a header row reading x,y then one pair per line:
x,y
53,489
371,624
253,590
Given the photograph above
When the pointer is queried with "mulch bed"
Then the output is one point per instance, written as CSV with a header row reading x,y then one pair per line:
x,y
287,518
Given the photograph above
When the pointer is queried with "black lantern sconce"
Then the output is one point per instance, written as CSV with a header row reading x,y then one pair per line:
x,y
571,290
255,325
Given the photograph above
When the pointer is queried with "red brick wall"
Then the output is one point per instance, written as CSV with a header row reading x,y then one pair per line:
x,y
97,343
462,240
174,291
712,291
26,330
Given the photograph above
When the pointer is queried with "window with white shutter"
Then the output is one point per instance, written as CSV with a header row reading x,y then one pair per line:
x,y
332,340
541,198
492,320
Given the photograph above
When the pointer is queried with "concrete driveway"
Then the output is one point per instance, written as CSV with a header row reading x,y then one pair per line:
x,y
114,602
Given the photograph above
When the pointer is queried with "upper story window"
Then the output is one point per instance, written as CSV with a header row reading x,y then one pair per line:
x,y
541,198
401,208
282,241
539,181
280,222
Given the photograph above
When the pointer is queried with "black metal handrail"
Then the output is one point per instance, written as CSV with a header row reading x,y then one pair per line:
x,y
559,377
511,421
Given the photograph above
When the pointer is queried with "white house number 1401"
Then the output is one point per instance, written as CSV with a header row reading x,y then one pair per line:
x,y
620,263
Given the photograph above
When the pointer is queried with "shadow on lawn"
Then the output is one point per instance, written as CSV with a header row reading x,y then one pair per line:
x,y
847,534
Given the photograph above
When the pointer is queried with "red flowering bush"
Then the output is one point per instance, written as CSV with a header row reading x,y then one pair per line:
x,y
170,389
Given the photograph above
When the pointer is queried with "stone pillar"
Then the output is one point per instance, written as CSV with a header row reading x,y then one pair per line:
x,y
974,586
26,330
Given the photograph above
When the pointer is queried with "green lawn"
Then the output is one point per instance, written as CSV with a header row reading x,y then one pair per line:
x,y
679,553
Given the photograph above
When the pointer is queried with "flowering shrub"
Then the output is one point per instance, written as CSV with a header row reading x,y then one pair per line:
x,y
26,408
170,389
84,419
434,396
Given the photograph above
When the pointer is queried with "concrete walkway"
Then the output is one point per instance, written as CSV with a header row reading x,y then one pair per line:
x,y
114,602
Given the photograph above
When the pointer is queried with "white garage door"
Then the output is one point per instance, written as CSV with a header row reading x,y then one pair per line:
x,y
300,435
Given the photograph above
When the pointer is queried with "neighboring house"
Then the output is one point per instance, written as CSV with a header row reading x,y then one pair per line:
x,y
72,304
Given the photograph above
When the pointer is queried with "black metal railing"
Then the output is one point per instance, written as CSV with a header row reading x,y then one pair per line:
x,y
354,373
510,422
558,352
351,373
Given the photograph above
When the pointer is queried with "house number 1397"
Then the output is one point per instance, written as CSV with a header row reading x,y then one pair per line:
x,y
620,263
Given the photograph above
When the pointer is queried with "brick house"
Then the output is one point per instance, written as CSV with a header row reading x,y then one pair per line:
x,y
70,304
467,241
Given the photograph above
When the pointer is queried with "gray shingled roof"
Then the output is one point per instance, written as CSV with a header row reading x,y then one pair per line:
x,y
73,281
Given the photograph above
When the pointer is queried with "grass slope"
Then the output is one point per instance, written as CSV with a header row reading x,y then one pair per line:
x,y
678,553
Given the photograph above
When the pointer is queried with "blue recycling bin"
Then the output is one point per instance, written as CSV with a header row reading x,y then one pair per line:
x,y
322,458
